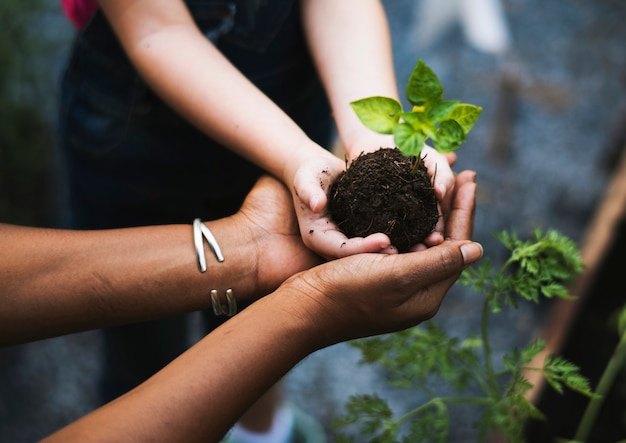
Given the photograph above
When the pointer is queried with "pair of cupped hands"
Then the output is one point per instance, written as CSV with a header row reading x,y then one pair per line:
x,y
362,286
322,235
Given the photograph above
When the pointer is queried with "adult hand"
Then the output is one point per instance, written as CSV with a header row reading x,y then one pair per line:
x,y
268,220
371,294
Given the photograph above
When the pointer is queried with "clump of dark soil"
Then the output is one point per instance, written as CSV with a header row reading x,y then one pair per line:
x,y
379,193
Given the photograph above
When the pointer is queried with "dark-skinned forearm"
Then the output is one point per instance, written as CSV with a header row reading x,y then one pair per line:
x,y
56,282
201,394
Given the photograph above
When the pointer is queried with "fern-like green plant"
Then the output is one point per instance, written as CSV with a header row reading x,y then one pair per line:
x,y
540,267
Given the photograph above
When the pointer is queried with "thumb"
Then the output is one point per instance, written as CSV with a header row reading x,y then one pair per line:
x,y
437,263
450,257
471,252
310,190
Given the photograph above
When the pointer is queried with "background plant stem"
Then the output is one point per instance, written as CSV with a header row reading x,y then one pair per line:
x,y
484,332
606,381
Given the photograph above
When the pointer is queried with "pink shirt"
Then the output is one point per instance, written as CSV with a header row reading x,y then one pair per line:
x,y
79,11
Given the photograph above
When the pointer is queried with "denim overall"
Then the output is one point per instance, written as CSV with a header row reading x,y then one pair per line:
x,y
132,161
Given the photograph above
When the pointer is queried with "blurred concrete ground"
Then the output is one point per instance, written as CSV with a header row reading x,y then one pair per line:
x,y
553,120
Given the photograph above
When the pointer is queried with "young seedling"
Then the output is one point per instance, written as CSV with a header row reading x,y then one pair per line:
x,y
445,122
389,190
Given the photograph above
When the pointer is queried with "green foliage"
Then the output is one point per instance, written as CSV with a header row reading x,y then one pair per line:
x,y
373,415
561,373
446,122
539,267
412,355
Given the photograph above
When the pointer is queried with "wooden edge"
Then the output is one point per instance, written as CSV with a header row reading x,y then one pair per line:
x,y
594,247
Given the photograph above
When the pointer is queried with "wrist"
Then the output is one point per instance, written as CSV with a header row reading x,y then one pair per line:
x,y
239,269
304,154
362,140
303,309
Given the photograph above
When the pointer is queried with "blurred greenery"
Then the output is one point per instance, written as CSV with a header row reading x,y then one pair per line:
x,y
26,137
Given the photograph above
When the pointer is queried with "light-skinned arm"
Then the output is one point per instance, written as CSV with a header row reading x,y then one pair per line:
x,y
201,394
351,45
176,59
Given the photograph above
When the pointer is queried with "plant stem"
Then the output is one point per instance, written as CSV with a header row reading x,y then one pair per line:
x,y
606,381
484,333
466,400
442,401
416,164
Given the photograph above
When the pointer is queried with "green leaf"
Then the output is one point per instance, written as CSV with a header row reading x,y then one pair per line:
x,y
373,416
512,359
560,372
431,424
380,114
552,290
532,350
408,140
544,265
424,86
473,342
465,115
449,137
442,110
420,121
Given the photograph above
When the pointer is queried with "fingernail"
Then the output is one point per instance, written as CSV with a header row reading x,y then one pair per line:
x,y
314,203
471,252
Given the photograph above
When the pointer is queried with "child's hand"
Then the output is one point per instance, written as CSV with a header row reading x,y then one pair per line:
x,y
312,182
440,170
310,188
